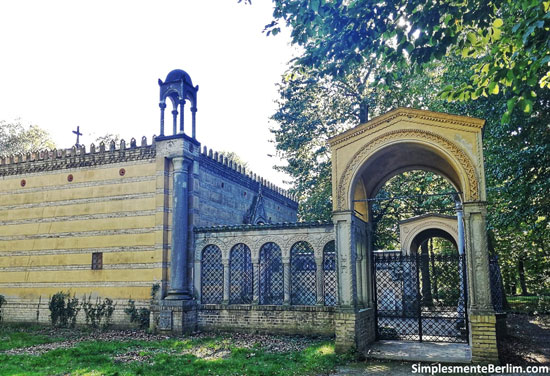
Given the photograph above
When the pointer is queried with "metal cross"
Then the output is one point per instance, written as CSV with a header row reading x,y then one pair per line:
x,y
78,134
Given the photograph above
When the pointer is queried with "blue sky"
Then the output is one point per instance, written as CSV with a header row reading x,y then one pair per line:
x,y
96,63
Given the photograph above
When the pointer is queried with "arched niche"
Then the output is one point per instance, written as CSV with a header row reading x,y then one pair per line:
x,y
414,231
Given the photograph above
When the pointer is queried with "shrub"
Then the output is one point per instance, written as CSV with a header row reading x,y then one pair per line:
x,y
63,310
142,316
2,302
102,310
139,316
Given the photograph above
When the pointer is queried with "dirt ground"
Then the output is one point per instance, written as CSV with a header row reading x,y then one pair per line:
x,y
528,340
527,343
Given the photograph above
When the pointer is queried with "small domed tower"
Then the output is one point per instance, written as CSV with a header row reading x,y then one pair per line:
x,y
179,88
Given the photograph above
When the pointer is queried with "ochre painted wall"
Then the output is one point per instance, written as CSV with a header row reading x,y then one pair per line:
x,y
51,227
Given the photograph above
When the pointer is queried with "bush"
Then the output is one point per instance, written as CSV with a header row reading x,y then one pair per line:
x,y
2,302
142,316
139,316
98,312
63,310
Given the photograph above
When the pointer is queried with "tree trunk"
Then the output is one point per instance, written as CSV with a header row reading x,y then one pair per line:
x,y
521,270
427,300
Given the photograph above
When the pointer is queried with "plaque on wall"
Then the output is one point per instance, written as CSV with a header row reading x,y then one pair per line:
x,y
165,320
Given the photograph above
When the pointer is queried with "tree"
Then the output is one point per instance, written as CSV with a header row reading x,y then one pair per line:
x,y
107,138
15,138
232,156
510,38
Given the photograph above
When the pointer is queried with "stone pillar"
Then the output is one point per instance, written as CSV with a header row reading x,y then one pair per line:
x,y
481,314
175,124
162,106
368,260
179,287
182,104
346,263
225,263
256,281
286,280
359,273
319,279
193,121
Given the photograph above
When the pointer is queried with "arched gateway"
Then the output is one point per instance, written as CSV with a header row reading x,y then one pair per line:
x,y
367,156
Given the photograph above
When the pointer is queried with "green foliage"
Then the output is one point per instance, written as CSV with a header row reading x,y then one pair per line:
x,y
63,310
101,310
2,302
530,304
510,38
15,138
140,316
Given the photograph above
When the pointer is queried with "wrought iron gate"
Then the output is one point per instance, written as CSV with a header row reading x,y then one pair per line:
x,y
420,297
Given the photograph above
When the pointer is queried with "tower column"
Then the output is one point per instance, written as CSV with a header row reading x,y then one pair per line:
x,y
179,287
162,106
193,121
182,104
175,125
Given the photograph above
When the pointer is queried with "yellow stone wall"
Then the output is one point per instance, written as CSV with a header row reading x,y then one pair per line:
x,y
51,227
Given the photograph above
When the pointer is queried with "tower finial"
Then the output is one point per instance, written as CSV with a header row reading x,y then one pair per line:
x,y
178,88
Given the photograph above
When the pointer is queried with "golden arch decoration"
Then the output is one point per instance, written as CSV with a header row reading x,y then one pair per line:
x,y
457,158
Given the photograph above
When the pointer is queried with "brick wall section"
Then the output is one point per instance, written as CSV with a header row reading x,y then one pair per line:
x,y
354,330
484,342
267,319
226,193
37,311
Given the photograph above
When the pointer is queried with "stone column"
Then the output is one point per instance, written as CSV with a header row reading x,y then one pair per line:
x,y
179,286
286,280
182,104
162,107
225,263
193,121
369,270
319,274
365,297
359,274
346,265
256,281
481,314
175,124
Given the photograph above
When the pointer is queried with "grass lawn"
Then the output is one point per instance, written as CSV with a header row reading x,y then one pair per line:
x,y
42,351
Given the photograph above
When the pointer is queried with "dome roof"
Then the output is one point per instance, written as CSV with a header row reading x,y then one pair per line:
x,y
178,75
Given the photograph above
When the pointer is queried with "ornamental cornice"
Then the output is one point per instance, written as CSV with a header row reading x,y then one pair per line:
x,y
408,113
344,182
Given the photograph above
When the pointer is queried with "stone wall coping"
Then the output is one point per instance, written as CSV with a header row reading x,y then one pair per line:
x,y
59,159
269,226
252,307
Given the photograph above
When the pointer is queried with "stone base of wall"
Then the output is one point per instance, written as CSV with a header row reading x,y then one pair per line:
x,y
483,338
37,311
175,316
267,319
355,330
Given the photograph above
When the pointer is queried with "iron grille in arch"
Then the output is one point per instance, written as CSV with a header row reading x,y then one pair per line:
x,y
302,274
330,286
211,275
240,275
271,275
